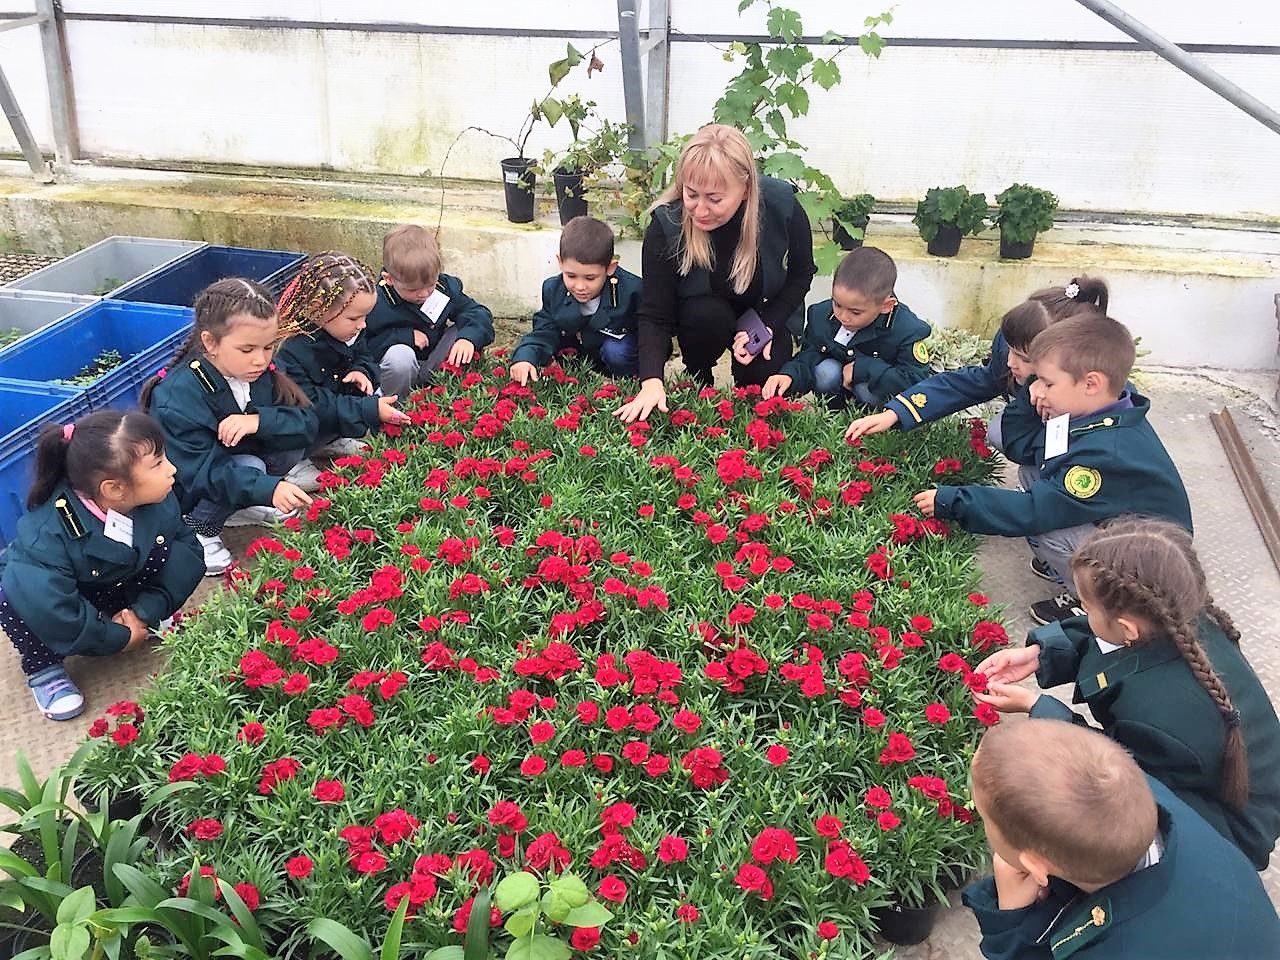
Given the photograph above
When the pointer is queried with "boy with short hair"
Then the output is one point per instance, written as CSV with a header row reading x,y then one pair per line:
x,y
862,343
589,306
422,318
1097,455
1092,858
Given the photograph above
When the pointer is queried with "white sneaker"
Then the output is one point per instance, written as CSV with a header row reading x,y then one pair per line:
x,y
342,447
216,555
305,475
254,517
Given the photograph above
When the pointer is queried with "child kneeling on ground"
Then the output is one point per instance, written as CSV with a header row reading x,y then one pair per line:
x,y
326,352
103,556
862,344
422,318
234,425
1097,456
1092,859
1160,666
589,306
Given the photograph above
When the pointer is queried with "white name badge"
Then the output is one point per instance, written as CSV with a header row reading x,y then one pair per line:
x,y
1055,436
119,528
435,304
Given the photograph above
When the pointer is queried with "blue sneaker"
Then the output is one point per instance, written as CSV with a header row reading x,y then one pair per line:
x,y
56,695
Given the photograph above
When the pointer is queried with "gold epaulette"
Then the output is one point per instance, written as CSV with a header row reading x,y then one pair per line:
x,y
613,292
70,522
203,377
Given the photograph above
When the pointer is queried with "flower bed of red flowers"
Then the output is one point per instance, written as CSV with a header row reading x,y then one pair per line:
x,y
714,665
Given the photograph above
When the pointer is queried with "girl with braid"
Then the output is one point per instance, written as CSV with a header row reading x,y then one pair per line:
x,y
326,351
1160,667
234,426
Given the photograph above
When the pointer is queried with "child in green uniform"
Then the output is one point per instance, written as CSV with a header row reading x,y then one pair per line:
x,y
101,559
1161,669
1091,859
421,318
234,425
1097,456
862,343
589,306
326,351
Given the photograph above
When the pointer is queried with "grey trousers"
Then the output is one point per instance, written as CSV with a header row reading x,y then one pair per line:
x,y
401,371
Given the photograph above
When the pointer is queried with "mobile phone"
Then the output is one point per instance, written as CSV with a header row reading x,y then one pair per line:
x,y
757,333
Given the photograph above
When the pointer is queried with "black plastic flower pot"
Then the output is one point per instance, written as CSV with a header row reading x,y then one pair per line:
x,y
845,240
569,195
953,876
946,242
905,926
121,806
1015,251
517,184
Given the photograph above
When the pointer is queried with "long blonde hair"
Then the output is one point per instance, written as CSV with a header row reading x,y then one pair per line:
x,y
717,154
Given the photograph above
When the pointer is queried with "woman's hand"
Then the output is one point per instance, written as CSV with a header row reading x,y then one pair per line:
x,y
652,395
1011,665
740,349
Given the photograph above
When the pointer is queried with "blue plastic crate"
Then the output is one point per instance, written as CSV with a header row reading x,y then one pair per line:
x,y
146,335
180,282
24,408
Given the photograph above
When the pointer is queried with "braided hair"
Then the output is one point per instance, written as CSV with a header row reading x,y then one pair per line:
x,y
322,289
216,306
1148,569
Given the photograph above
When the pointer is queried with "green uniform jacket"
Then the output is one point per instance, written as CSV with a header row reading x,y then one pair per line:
x,y
1146,698
191,401
394,319
1201,901
560,318
887,354
60,549
1114,464
318,362
953,390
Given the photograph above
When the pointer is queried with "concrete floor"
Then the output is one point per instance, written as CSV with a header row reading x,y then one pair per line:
x,y
1241,575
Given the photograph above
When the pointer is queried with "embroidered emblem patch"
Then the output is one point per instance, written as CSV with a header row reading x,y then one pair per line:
x,y
919,399
1082,482
920,351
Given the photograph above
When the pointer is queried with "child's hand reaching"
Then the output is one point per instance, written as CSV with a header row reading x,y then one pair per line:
x,y
924,501
420,340
289,497
1015,887
776,386
846,375
139,632
462,353
1008,697
236,427
387,412
361,381
1011,665
522,372
875,423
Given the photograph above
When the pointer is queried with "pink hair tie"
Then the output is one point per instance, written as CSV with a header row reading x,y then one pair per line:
x,y
161,372
68,430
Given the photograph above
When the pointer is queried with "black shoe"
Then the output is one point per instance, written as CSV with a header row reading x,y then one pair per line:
x,y
1044,571
1062,607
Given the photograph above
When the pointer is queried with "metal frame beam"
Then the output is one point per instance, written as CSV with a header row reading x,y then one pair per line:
x,y
1185,62
632,91
656,50
57,71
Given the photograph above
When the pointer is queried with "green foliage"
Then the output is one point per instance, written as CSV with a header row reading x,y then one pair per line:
x,y
102,364
12,335
951,348
953,207
772,88
1024,212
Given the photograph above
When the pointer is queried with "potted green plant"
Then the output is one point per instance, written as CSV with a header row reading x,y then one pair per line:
x,y
1024,212
575,170
946,214
850,219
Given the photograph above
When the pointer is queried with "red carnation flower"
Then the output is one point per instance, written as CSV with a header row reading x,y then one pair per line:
x,y
299,867
329,791
828,930
533,766
987,715
888,820
249,894
687,913
777,754
937,713
899,750
672,849
207,829
613,889
828,826
877,797
774,843
585,938
754,880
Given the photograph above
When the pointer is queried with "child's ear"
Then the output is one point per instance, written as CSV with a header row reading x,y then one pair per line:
x,y
610,270
889,303
1096,382
112,491
207,341
1037,867
1130,628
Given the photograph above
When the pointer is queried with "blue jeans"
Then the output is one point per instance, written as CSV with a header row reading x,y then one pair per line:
x,y
207,517
828,381
621,357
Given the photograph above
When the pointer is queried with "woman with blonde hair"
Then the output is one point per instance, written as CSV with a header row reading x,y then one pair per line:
x,y
728,259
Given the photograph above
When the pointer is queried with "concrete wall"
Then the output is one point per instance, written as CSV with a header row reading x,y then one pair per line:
x,y
1105,129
